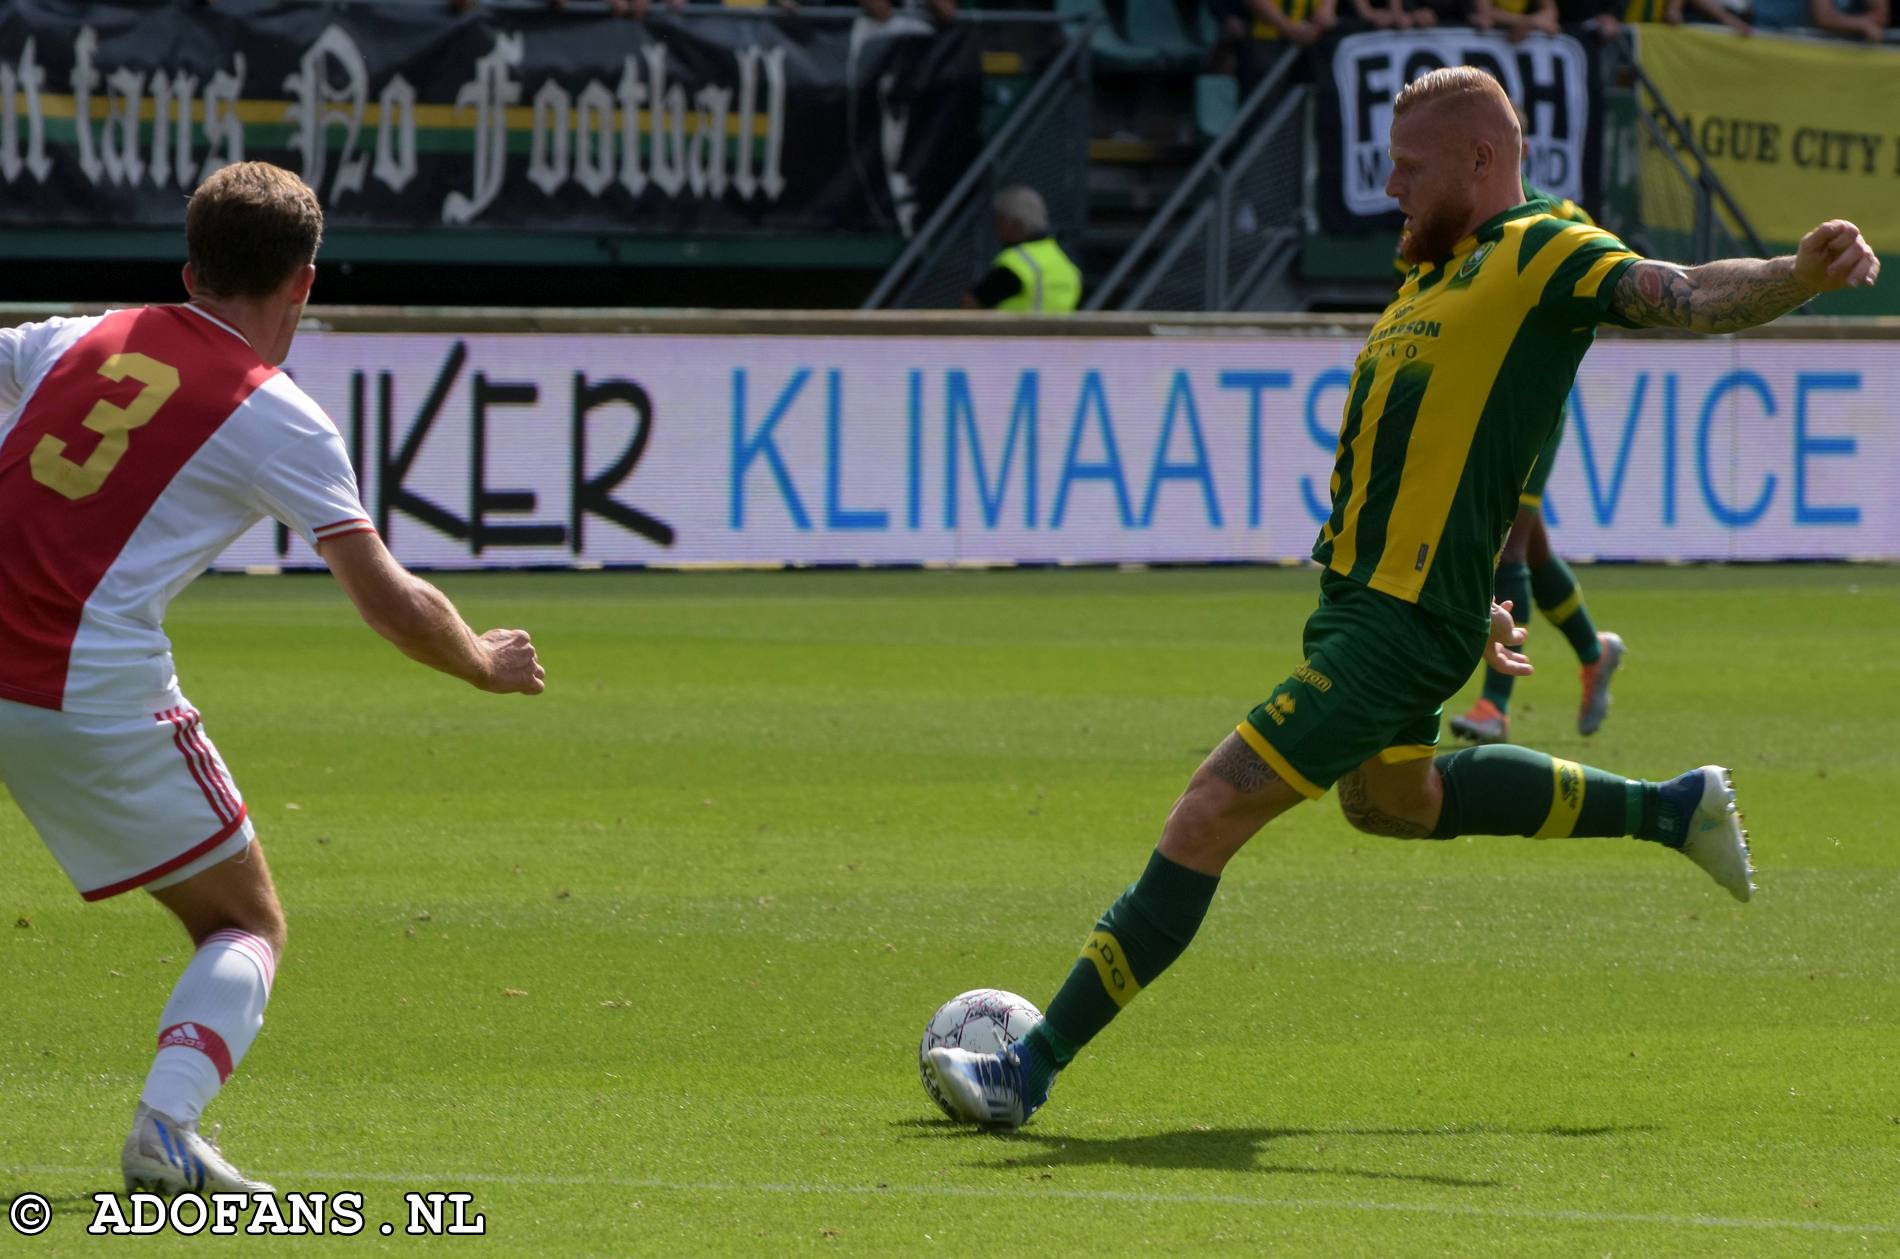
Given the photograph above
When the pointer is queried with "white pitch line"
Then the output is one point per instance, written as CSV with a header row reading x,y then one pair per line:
x,y
456,1180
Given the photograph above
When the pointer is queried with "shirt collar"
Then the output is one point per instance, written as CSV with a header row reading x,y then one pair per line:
x,y
1522,210
204,314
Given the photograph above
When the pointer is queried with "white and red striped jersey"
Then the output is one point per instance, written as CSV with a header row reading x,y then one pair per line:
x,y
134,447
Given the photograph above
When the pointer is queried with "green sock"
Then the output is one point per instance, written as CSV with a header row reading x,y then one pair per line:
x,y
1508,790
1138,938
1560,598
1513,585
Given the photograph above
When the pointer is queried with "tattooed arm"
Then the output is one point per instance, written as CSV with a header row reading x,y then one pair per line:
x,y
1723,296
1737,293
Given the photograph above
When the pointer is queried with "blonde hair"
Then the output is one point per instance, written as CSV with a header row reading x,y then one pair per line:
x,y
1461,84
1478,98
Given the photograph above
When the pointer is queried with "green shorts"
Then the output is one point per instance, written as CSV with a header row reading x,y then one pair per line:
x,y
1377,673
1533,495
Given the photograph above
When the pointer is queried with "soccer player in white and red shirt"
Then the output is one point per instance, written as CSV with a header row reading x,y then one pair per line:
x,y
134,447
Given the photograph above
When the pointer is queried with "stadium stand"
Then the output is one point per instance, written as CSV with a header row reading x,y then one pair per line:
x,y
1129,114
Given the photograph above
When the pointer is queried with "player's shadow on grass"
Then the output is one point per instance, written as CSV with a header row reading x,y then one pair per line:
x,y
1240,1149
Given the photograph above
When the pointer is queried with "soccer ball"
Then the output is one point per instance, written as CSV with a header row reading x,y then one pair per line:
x,y
982,1020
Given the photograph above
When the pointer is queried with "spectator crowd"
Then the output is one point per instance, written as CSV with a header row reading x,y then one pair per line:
x,y
1305,21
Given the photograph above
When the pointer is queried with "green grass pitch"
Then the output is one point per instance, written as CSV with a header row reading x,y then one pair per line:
x,y
642,963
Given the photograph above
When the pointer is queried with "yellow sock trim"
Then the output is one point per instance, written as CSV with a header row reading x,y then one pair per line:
x,y
1277,763
1106,952
1567,609
1566,799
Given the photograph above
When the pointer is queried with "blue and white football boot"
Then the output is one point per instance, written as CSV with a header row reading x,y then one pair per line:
x,y
986,1088
167,1157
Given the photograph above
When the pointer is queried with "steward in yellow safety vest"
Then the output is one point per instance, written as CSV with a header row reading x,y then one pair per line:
x,y
1031,273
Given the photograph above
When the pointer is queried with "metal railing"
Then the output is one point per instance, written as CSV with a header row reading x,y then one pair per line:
x,y
1043,144
1232,227
1718,228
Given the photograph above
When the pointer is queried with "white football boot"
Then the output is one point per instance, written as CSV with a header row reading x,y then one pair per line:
x,y
1713,836
167,1157
983,1088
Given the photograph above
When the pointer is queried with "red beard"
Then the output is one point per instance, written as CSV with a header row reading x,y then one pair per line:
x,y
1433,235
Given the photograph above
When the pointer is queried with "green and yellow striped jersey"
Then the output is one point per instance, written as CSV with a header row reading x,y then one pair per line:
x,y
1451,400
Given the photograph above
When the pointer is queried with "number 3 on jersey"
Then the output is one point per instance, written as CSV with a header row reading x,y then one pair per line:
x,y
112,422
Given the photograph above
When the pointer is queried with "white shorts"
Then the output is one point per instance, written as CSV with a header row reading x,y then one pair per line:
x,y
122,802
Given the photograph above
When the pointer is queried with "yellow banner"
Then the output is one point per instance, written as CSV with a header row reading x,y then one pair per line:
x,y
1799,130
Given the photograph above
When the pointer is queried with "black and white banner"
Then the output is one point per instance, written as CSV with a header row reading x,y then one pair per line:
x,y
411,116
1357,76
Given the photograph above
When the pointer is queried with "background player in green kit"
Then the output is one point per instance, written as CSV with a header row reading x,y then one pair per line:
x,y
1451,400
1528,569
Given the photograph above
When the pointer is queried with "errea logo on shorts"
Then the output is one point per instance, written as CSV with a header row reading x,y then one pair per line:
x,y
1279,708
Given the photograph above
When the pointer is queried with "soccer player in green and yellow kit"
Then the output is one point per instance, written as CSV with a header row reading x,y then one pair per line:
x,y
1451,400
1529,570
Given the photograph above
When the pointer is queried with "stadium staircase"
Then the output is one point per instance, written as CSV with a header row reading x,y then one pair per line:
x,y
1172,194
1231,234
1156,109
1042,141
1106,131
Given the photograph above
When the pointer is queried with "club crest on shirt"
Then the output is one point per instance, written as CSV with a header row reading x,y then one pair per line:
x,y
1476,260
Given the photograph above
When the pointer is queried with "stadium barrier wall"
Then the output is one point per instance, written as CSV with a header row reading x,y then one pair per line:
x,y
676,441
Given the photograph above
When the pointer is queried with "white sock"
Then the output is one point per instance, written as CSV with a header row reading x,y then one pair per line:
x,y
214,1014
